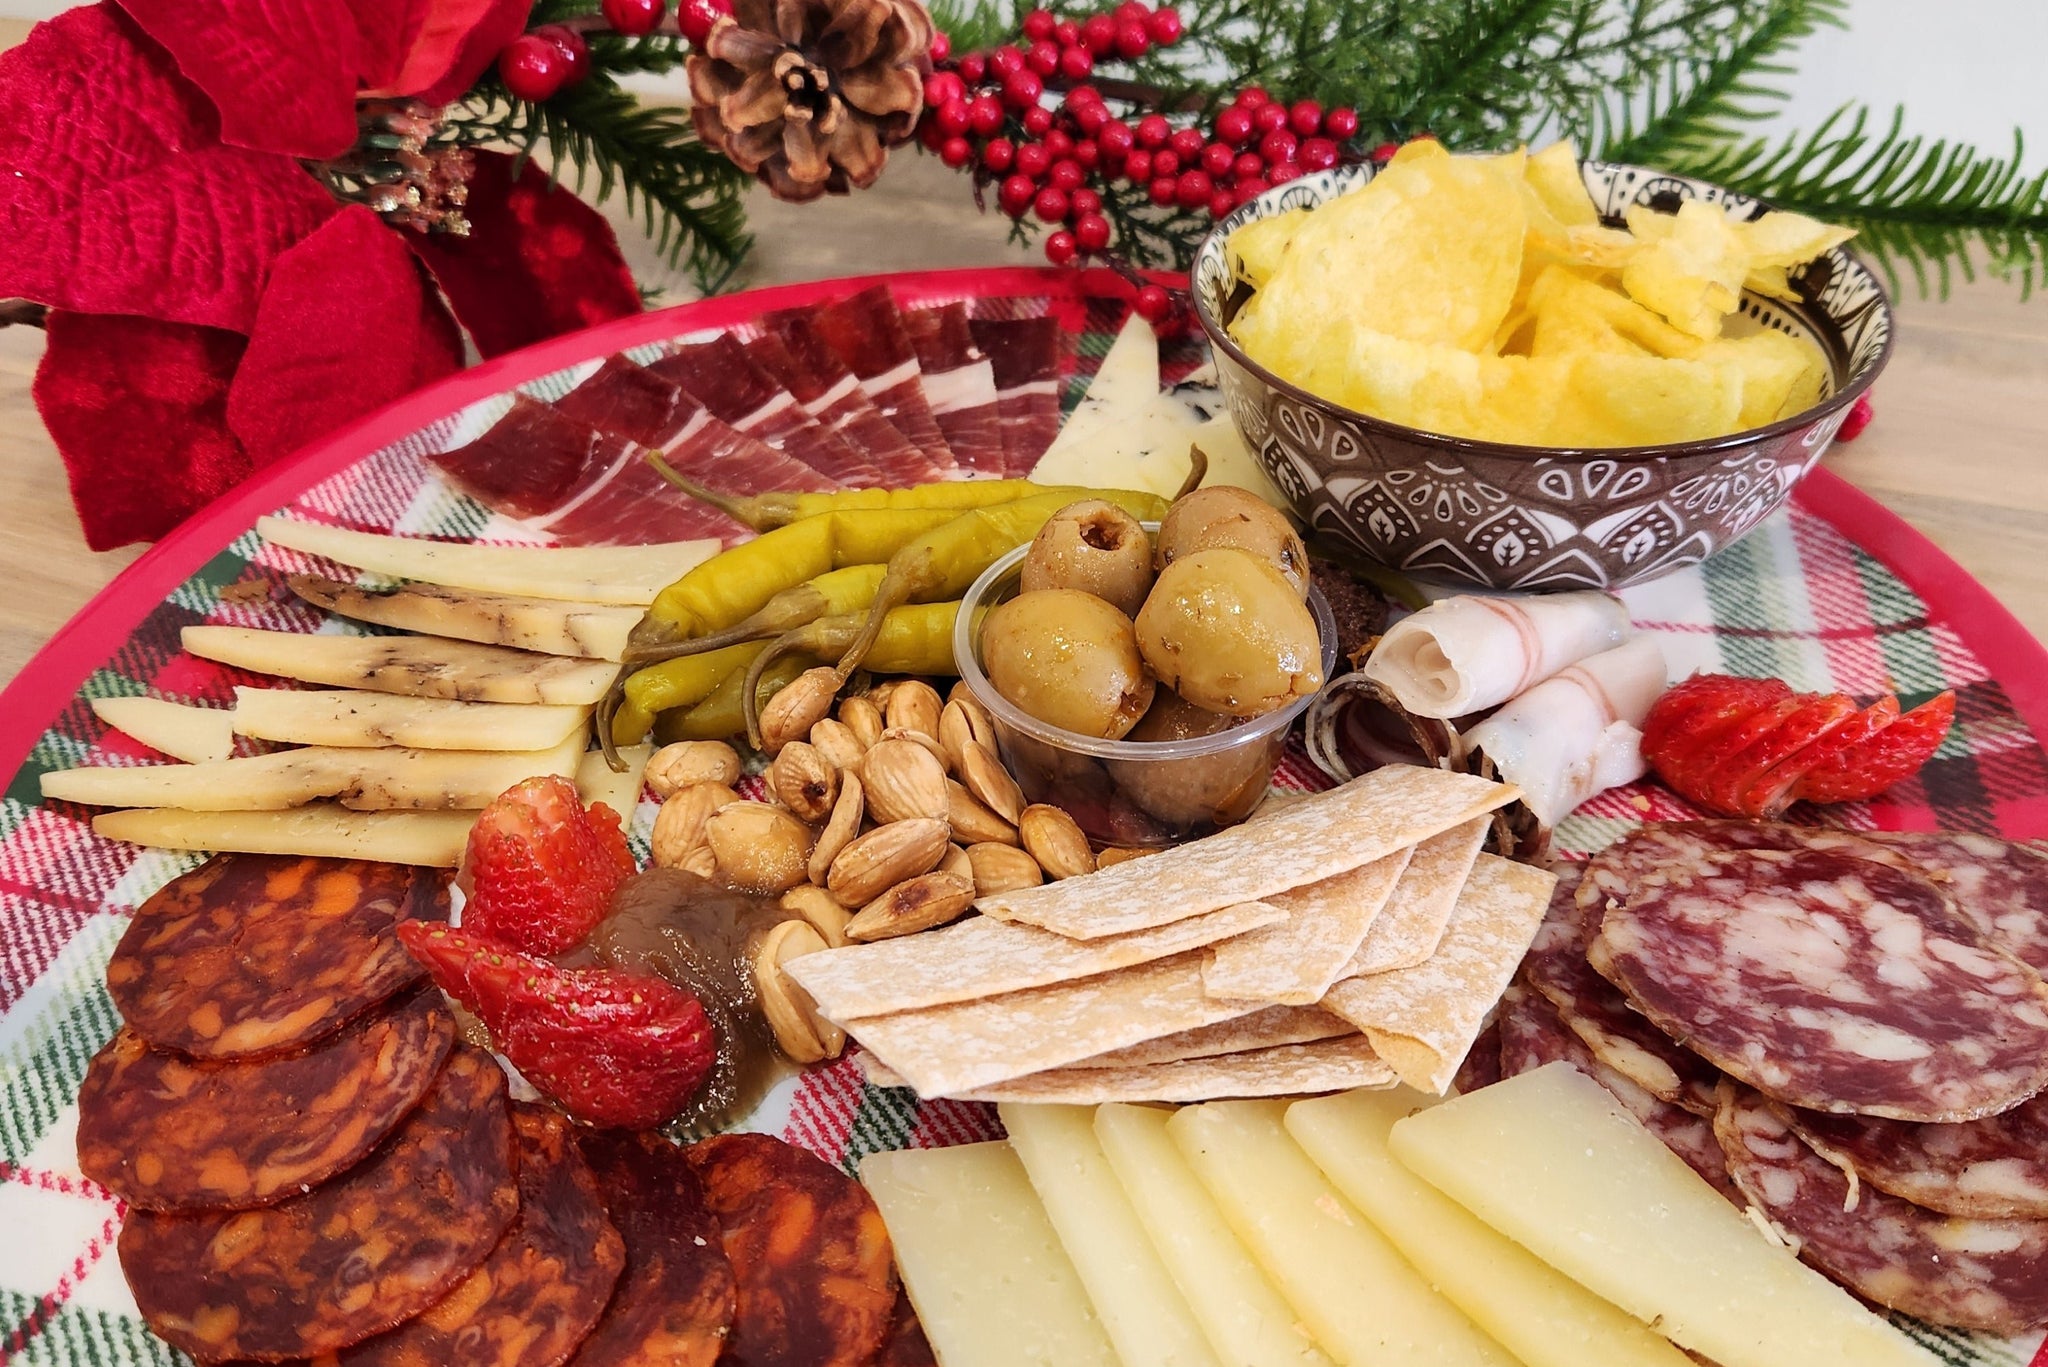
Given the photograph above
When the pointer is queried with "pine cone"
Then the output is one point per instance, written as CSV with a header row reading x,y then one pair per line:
x,y
810,94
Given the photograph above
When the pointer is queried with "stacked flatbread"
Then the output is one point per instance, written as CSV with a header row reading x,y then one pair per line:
x,y
1355,938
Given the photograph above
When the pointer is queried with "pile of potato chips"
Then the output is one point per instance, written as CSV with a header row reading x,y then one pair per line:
x,y
1481,296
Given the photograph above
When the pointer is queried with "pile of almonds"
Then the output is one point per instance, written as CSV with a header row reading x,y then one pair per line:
x,y
891,818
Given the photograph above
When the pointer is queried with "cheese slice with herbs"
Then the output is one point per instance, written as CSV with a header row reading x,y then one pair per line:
x,y
1124,385
416,666
359,718
589,631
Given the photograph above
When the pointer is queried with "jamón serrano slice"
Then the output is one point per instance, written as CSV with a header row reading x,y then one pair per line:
x,y
674,1303
346,1260
165,1132
817,1279
543,1287
1993,1168
1972,1274
1831,982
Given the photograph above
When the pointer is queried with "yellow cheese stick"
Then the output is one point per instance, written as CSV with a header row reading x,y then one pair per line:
x,y
192,734
322,829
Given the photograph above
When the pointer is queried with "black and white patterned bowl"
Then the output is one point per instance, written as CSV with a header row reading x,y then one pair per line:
x,y
1530,517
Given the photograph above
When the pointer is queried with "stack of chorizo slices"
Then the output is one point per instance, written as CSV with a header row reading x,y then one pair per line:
x,y
1847,1032
317,1168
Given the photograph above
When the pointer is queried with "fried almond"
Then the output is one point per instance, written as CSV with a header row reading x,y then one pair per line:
x,y
804,780
759,848
915,904
972,822
913,706
679,825
885,857
903,780
843,826
675,767
826,914
801,704
836,741
961,721
800,1031
990,782
1055,840
863,718
1002,868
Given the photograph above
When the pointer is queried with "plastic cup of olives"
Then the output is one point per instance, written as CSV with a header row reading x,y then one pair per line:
x,y
1126,793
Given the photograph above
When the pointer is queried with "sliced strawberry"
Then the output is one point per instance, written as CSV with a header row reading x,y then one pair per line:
x,y
609,1047
1697,709
542,867
1794,724
1771,793
1894,753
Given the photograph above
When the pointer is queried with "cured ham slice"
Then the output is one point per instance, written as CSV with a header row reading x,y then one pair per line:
x,y
865,332
1467,653
801,363
528,461
628,401
720,375
960,385
1578,733
1025,356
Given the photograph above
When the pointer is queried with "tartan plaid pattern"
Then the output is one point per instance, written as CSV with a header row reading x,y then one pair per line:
x,y
1795,599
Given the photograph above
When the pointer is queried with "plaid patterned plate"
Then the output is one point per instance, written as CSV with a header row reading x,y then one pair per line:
x,y
1833,593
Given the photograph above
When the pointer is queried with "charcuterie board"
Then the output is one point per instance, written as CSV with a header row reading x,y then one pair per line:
x,y
1833,593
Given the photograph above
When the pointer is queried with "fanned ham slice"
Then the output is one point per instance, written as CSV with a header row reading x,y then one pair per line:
x,y
1025,355
529,461
796,355
960,386
721,376
865,331
628,401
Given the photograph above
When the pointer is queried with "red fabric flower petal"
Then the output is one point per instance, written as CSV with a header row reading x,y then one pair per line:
x,y
116,195
449,43
282,73
138,408
537,262
348,324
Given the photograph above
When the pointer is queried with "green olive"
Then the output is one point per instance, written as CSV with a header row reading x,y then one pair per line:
x,y
1172,717
1225,515
1096,547
1224,630
1069,659
1192,792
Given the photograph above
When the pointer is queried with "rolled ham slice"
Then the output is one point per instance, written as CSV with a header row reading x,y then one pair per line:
x,y
1576,733
1465,654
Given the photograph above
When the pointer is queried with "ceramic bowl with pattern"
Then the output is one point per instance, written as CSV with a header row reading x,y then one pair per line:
x,y
1500,516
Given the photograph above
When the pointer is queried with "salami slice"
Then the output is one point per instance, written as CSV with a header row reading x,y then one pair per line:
x,y
543,1287
674,1302
169,1133
346,1260
1481,1066
253,954
1831,982
1972,1274
1993,1168
1617,871
817,1279
2001,888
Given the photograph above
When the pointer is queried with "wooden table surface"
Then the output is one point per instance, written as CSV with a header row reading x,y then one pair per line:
x,y
1959,448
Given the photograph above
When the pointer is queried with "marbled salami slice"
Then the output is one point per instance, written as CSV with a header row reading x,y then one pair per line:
x,y
1994,1168
1972,1274
1617,871
349,1259
720,375
674,1302
165,1132
543,1287
1830,982
1481,1065
253,954
2001,888
817,1278
1026,355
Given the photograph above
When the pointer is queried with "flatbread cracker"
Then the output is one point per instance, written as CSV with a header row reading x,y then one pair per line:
x,y
947,1050
1334,1065
1368,818
1294,962
978,958
1267,1029
1423,1020
1407,930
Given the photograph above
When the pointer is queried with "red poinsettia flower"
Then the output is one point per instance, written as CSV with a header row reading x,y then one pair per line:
x,y
214,304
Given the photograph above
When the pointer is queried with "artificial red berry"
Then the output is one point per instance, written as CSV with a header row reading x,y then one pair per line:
x,y
1091,232
1116,139
1860,414
1081,96
1164,190
1059,142
1076,63
1278,145
575,50
1132,10
1188,142
956,152
1016,195
1384,153
1132,40
1066,175
952,119
1341,123
1268,117
694,18
1217,159
943,87
533,68
1023,89
1034,160
1038,121
1166,162
1060,247
1154,130
1153,304
1005,61
985,114
1051,205
1138,166
1086,202
1249,188
1066,33
1088,154
1221,203
1039,24
1090,118
1305,118
931,135
1164,25
941,48
999,155
1317,154
1234,125
1193,189
1044,57
973,68
1248,165
1281,172
1251,97
634,18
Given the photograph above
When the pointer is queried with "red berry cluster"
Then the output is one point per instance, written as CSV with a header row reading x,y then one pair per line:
x,y
542,64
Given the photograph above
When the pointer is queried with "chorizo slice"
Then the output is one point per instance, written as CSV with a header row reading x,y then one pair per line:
x,y
816,1274
1993,1168
250,955
166,1132
348,1259
1948,1269
906,1345
1830,982
674,1303
538,1295
2002,889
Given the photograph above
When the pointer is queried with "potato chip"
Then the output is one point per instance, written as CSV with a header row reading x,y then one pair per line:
x,y
1554,175
1785,239
1574,313
1645,400
1691,266
1781,375
1255,250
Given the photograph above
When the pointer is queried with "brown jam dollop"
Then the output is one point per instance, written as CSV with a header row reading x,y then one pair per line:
x,y
700,936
